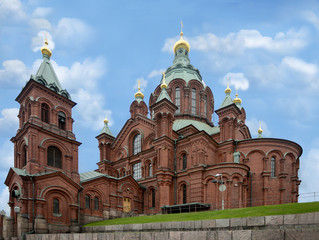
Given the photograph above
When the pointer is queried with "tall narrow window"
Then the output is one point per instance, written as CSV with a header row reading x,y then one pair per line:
x,y
184,161
193,101
273,167
205,104
150,170
24,155
184,194
45,113
137,144
61,120
56,206
23,117
153,198
54,157
137,171
96,203
87,201
178,99
29,111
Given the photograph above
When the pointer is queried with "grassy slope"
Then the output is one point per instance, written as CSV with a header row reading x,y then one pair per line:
x,y
282,209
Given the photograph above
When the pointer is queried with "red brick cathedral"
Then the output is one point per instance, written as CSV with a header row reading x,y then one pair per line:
x,y
168,157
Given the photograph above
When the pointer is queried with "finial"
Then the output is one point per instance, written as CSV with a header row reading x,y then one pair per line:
x,y
105,120
181,42
163,85
182,29
227,90
260,131
237,99
139,94
45,49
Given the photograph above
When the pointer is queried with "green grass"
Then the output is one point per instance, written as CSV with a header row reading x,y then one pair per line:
x,y
282,209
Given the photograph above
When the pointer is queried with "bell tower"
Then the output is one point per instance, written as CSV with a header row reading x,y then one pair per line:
x,y
45,141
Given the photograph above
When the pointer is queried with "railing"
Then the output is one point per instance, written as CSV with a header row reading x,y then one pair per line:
x,y
308,197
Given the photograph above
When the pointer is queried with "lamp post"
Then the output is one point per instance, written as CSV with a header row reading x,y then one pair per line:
x,y
222,187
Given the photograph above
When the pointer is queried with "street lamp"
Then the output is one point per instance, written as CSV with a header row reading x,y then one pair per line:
x,y
222,186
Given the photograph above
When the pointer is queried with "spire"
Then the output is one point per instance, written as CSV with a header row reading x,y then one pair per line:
x,y
260,131
181,42
163,85
163,93
139,96
106,128
46,52
227,101
237,100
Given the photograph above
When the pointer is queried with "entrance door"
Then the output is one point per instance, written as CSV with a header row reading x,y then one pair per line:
x,y
126,204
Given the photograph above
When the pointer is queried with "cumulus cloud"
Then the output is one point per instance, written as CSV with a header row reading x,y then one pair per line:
x,y
245,40
238,80
12,10
156,72
4,199
300,66
42,12
14,74
7,153
38,41
312,18
254,124
9,120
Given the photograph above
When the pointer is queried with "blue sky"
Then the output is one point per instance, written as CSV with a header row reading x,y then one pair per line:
x,y
101,49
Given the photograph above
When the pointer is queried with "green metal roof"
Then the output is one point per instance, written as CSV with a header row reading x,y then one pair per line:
x,y
87,176
181,123
163,95
106,129
227,101
46,76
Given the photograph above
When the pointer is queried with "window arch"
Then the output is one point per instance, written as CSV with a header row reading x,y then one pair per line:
x,y
87,201
96,203
273,167
184,161
184,189
45,116
178,99
193,100
56,206
137,144
61,120
54,157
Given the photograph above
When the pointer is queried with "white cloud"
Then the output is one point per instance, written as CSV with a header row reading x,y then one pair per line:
x,y
38,42
40,23
12,10
312,18
300,66
9,120
156,73
14,74
235,43
238,80
4,199
7,153
42,12
253,125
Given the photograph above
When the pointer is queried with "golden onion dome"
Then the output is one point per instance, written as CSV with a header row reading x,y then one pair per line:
x,y
45,50
227,90
181,43
139,94
105,120
237,99
260,131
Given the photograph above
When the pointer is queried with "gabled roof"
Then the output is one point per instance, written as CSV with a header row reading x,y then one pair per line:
x,y
163,95
181,123
88,176
227,101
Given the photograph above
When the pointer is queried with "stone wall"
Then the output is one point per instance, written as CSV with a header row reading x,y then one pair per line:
x,y
297,226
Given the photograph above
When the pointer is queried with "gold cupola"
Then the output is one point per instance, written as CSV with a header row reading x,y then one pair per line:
x,y
260,131
45,50
181,43
163,85
227,90
237,100
139,94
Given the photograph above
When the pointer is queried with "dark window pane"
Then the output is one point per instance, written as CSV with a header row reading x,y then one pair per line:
x,y
54,157
96,203
61,119
56,206
45,113
87,201
137,144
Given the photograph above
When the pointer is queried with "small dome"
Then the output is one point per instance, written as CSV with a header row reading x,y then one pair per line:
x,y
181,43
45,50
139,94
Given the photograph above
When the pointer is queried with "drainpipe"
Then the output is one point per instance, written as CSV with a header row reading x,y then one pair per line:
x,y
175,175
251,186
33,212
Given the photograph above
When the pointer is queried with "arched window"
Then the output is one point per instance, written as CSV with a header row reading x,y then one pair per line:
x,y
87,201
150,170
56,206
61,120
137,144
184,194
178,99
54,157
184,158
205,104
29,111
24,156
193,101
273,167
45,117
152,195
96,203
23,117
137,171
